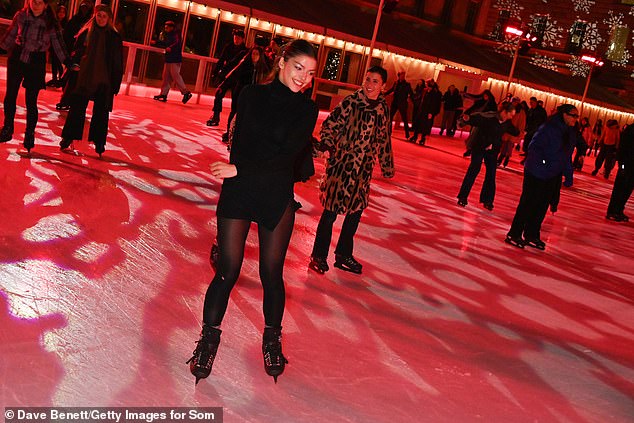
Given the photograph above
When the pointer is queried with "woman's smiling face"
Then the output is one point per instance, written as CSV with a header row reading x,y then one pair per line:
x,y
297,72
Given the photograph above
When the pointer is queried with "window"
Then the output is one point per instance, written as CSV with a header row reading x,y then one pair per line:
x,y
473,9
618,41
131,20
575,39
9,8
538,27
351,67
498,30
225,36
199,33
331,65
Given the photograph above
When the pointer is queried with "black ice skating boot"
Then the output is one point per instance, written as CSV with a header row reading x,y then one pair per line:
x,y
29,140
318,264
205,352
348,263
274,360
160,97
214,120
6,133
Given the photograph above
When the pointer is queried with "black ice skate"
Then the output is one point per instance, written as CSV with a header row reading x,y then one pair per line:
x,y
536,243
514,241
349,264
205,352
274,360
318,264
29,140
6,133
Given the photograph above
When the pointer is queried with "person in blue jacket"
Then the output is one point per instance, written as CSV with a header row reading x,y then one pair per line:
x,y
549,158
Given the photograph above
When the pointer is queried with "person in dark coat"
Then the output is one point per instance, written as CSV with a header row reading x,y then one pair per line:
x,y
486,146
272,138
356,134
549,157
402,93
75,23
452,102
32,32
252,69
426,112
57,70
171,40
535,118
624,182
222,76
483,102
98,60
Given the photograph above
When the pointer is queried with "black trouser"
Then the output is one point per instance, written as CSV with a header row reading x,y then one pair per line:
x,y
487,195
527,140
57,70
232,235
31,76
401,107
623,186
607,153
531,210
221,91
74,126
345,245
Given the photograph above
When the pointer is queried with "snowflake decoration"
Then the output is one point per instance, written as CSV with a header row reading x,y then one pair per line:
x,y
592,38
545,62
552,34
625,58
508,45
613,20
582,5
632,11
578,67
510,5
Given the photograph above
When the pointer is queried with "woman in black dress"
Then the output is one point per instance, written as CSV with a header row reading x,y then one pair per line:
x,y
272,138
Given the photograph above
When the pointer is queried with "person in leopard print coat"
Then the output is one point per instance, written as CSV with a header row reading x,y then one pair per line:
x,y
356,133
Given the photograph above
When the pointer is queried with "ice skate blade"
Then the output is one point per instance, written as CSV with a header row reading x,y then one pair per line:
x,y
347,269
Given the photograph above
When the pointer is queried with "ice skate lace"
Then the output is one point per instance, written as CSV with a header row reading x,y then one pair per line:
x,y
203,355
273,356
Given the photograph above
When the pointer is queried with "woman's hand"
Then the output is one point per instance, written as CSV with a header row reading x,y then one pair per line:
x,y
223,170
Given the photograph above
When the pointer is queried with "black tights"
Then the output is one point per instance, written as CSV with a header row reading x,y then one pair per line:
x,y
232,235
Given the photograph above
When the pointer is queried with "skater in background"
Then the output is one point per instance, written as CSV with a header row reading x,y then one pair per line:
x,y
57,69
597,131
483,102
355,134
624,181
508,140
33,30
98,61
222,76
548,159
490,127
171,40
272,139
585,132
402,93
76,23
608,143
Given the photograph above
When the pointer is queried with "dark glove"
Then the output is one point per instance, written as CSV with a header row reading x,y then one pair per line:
x,y
568,182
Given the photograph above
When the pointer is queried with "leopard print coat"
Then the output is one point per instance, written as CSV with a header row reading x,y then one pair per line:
x,y
354,133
